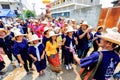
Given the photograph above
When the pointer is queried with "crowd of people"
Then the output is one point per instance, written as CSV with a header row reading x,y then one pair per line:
x,y
33,41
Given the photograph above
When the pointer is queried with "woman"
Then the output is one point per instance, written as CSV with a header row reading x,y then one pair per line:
x,y
110,58
52,54
84,35
6,43
37,53
20,50
69,42
46,35
96,42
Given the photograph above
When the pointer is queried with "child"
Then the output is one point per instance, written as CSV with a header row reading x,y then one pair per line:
x,y
37,53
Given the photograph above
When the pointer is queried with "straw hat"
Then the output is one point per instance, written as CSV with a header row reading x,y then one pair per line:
x,y
70,29
34,37
73,20
46,28
44,22
84,23
18,33
8,25
15,29
4,30
52,33
112,35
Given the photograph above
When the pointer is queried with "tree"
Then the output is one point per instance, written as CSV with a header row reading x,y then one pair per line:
x,y
29,13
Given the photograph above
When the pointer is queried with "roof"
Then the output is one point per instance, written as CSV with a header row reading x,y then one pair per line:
x,y
7,13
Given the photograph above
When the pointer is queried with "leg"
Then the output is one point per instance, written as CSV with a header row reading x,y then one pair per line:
x,y
26,66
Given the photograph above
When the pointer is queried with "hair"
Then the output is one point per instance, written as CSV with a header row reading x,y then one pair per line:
x,y
50,39
99,28
45,32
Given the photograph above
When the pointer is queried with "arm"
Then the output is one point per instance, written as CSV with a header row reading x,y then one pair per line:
x,y
34,58
88,36
76,41
82,35
20,59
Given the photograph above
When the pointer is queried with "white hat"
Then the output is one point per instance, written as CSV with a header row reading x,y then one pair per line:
x,y
44,22
46,28
73,20
34,37
8,25
84,23
15,29
52,33
112,35
16,24
70,29
18,33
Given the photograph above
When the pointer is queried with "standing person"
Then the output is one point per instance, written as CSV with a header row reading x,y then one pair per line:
x,y
52,54
46,35
109,60
83,39
20,50
96,42
37,53
6,43
69,42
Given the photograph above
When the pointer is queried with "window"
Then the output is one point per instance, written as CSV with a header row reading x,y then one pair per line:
x,y
5,6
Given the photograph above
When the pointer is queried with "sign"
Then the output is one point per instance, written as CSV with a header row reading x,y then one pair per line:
x,y
46,1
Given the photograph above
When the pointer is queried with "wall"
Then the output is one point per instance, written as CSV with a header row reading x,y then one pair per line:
x,y
110,17
89,14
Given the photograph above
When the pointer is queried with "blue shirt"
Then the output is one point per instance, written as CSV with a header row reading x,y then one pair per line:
x,y
95,35
106,60
32,50
21,48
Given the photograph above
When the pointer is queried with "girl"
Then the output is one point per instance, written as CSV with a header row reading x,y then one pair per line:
x,y
51,51
37,53
69,42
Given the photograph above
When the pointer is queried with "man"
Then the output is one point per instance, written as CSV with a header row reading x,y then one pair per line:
x,y
110,58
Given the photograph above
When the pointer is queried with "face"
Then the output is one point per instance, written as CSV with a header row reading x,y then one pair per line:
x,y
84,27
105,44
54,37
2,33
70,33
35,42
19,38
100,30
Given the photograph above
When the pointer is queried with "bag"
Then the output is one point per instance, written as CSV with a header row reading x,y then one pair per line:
x,y
86,73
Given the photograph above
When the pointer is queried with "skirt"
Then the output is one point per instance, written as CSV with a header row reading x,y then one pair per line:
x,y
54,63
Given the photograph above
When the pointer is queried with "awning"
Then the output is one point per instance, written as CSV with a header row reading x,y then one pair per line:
x,y
7,13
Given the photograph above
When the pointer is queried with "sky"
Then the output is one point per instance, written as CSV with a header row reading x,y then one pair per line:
x,y
39,4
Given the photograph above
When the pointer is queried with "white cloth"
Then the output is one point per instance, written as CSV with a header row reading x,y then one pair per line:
x,y
37,51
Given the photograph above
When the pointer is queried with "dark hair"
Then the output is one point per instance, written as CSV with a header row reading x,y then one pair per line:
x,y
50,39
45,32
100,28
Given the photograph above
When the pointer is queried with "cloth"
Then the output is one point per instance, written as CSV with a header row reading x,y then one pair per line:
x,y
102,69
51,48
37,51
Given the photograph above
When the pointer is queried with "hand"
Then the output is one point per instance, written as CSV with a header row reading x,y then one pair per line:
x,y
22,62
75,39
42,57
35,59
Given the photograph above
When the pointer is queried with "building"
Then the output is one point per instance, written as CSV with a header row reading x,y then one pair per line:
x,y
63,7
116,3
14,5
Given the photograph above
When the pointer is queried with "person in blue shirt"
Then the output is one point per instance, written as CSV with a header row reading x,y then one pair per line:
x,y
37,53
84,36
6,43
21,51
110,58
96,42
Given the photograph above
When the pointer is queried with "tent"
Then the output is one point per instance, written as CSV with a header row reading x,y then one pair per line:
x,y
7,13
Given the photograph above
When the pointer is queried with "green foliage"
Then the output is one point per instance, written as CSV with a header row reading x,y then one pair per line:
x,y
29,13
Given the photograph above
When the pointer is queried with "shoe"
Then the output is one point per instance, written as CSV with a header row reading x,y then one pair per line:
x,y
31,69
29,72
70,67
67,68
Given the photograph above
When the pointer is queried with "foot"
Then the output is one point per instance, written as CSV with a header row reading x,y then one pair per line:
x,y
67,67
70,67
31,69
29,72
